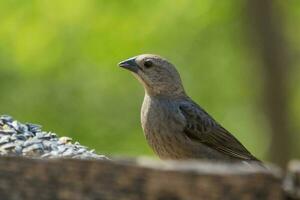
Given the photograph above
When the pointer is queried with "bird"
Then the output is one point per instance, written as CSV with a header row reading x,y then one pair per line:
x,y
174,125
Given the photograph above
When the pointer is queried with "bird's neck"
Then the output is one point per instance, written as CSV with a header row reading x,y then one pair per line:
x,y
175,93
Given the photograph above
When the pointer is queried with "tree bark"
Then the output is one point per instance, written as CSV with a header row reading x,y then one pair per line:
x,y
271,48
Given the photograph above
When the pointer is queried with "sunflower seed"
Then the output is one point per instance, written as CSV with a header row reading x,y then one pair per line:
x,y
33,127
4,139
6,118
7,132
33,148
8,146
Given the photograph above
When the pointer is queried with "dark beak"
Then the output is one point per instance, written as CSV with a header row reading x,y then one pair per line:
x,y
130,64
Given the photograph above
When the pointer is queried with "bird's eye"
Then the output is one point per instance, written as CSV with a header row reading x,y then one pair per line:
x,y
148,63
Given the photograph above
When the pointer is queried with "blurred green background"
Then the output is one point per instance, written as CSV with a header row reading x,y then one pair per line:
x,y
58,66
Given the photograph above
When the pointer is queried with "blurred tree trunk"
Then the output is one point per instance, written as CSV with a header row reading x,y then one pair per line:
x,y
271,48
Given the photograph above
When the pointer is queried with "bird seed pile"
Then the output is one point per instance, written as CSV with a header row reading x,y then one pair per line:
x,y
29,140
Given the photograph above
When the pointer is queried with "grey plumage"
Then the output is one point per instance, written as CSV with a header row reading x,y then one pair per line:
x,y
174,125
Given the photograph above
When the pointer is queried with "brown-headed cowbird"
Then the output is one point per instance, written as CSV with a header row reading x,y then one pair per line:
x,y
174,125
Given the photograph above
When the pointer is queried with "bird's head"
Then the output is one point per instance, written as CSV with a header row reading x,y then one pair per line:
x,y
158,76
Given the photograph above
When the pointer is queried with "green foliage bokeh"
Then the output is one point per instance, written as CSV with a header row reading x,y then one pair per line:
x,y
58,66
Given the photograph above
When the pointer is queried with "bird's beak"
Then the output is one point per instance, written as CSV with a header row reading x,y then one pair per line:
x,y
130,64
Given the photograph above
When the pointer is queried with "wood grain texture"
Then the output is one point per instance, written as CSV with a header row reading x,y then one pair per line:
x,y
67,179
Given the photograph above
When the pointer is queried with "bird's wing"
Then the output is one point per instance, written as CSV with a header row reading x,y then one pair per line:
x,y
201,127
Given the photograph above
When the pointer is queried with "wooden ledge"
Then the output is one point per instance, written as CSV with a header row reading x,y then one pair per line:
x,y
140,179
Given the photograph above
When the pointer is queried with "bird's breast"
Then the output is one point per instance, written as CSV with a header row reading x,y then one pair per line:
x,y
160,116
161,125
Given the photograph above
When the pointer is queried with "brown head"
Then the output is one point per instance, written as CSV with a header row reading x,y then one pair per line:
x,y
158,76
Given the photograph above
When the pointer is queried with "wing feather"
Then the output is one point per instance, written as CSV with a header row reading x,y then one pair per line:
x,y
201,127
